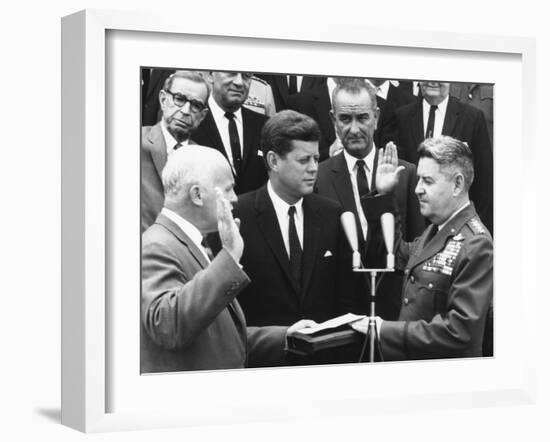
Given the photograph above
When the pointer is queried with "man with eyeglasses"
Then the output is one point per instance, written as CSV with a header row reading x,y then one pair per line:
x,y
183,103
233,129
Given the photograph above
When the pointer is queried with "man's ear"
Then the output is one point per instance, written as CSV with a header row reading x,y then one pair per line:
x,y
332,118
459,183
272,160
377,114
195,195
163,96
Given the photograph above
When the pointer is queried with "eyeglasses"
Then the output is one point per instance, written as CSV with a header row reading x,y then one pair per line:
x,y
181,100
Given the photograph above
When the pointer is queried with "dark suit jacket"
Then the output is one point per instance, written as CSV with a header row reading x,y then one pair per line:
x,y
273,296
465,123
253,171
150,106
333,181
312,100
190,319
399,96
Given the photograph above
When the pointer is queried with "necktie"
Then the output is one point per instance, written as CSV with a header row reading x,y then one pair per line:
x,y
431,233
234,142
431,122
207,248
177,146
292,84
362,183
294,246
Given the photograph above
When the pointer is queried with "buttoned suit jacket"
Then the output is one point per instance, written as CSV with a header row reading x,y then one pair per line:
x,y
153,157
334,182
190,318
465,123
253,172
447,292
273,296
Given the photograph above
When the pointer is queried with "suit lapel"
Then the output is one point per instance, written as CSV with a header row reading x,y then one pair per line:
x,y
158,148
269,226
312,234
182,236
451,117
280,81
248,150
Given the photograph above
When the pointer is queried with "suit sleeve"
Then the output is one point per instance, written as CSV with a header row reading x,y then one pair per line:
x,y
266,346
176,305
449,333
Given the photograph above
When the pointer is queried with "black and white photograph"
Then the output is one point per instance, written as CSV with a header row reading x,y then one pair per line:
x,y
298,220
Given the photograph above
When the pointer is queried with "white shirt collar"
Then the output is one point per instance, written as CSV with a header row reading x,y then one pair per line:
x,y
169,140
455,213
281,206
369,160
219,114
189,229
382,90
442,107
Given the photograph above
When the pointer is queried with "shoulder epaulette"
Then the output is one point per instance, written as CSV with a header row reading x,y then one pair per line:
x,y
476,226
260,80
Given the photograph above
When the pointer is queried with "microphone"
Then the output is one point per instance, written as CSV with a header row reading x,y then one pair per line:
x,y
387,220
350,229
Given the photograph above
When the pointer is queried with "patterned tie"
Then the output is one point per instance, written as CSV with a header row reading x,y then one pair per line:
x,y
234,142
431,122
362,183
294,246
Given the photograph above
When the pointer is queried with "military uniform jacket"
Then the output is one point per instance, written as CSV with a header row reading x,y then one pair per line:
x,y
447,291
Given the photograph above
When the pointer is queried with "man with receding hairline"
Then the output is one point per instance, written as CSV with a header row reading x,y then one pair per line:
x,y
190,317
183,103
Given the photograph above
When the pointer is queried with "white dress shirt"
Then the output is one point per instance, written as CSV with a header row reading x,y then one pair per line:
x,y
169,140
281,210
299,79
223,127
439,116
352,169
189,229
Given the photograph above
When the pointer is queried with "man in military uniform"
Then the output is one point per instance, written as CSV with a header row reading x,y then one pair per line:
x,y
448,287
260,97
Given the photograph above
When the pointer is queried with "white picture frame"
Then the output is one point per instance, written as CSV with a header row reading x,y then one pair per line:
x,y
87,213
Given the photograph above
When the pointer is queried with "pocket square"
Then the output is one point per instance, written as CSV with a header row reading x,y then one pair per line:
x,y
260,153
327,254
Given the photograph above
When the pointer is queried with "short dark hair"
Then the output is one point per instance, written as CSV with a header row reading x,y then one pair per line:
x,y
448,151
284,127
354,86
194,76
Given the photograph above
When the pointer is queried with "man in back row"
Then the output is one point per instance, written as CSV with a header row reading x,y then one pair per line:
x,y
351,174
183,100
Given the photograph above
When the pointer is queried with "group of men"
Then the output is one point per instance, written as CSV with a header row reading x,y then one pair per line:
x,y
223,290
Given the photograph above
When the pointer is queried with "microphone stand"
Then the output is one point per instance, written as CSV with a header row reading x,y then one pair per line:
x,y
372,332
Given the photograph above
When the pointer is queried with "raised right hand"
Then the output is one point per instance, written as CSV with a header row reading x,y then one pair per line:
x,y
387,172
228,228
